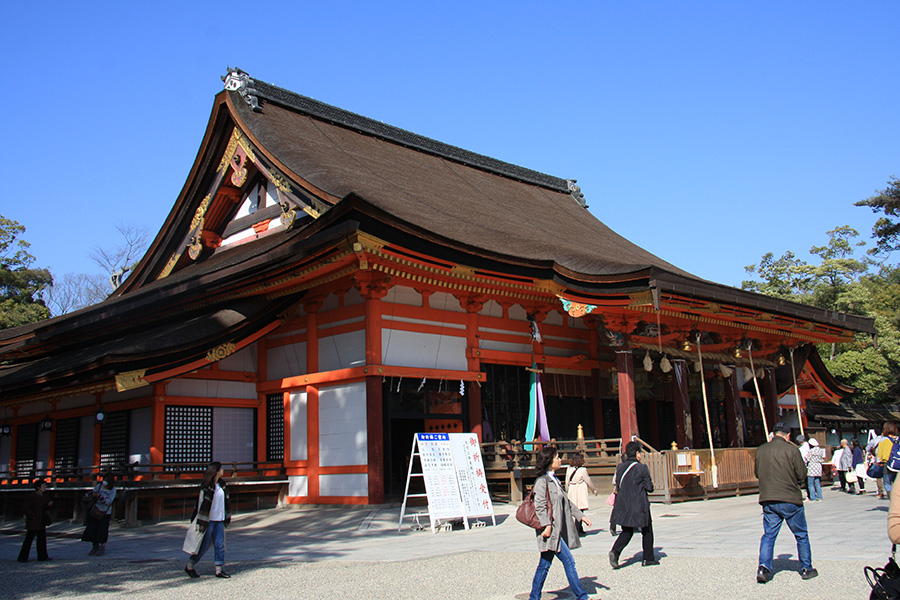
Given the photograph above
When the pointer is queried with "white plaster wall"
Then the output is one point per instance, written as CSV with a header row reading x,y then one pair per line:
x,y
342,351
298,450
400,294
204,388
444,301
504,346
353,297
552,318
233,435
86,441
298,486
139,435
425,350
330,302
345,484
5,453
286,361
244,360
491,308
343,428
517,313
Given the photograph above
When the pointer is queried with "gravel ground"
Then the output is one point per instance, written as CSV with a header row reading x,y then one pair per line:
x,y
707,550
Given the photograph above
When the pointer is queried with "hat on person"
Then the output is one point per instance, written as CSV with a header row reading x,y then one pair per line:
x,y
800,439
781,427
813,442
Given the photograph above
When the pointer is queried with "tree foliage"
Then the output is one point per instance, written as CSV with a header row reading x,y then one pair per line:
x,y
21,285
843,276
887,228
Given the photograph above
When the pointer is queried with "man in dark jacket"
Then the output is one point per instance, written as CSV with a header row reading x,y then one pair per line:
x,y
780,471
35,527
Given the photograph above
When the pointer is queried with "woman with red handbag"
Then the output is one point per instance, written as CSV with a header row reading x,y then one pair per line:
x,y
557,532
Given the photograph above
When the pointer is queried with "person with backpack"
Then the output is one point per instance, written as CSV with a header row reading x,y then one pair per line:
x,y
888,454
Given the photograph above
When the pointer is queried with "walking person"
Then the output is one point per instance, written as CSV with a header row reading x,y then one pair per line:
x,y
814,459
858,465
872,459
842,459
632,507
885,447
578,482
36,520
558,535
96,525
208,522
780,472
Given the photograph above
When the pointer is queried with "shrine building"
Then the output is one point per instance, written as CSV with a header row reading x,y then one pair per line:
x,y
326,285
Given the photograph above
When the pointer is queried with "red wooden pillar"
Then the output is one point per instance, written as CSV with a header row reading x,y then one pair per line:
x,y
312,306
262,413
733,411
372,287
684,433
627,408
770,398
473,305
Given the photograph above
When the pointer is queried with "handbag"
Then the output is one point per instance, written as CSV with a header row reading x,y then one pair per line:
x,y
885,583
875,471
96,513
527,515
47,518
611,499
850,477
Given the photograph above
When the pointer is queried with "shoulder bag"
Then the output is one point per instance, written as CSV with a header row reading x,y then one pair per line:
x,y
526,514
611,499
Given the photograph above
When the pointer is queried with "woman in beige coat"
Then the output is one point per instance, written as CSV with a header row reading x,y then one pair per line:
x,y
557,534
578,482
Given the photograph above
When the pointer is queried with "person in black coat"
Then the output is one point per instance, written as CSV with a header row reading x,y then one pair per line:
x,y
632,507
36,506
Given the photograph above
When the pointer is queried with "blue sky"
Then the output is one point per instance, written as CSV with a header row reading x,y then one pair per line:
x,y
707,132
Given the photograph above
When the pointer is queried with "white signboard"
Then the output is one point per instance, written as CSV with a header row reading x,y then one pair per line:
x,y
455,481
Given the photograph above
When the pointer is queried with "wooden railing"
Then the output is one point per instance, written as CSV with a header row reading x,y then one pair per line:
x,y
510,465
137,472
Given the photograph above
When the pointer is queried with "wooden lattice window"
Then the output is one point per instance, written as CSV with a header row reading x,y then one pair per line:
x,y
189,431
26,449
275,427
65,456
114,440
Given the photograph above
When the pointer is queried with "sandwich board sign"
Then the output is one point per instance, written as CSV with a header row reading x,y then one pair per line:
x,y
455,481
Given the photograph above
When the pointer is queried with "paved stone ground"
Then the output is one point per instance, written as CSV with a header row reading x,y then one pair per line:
x,y
708,549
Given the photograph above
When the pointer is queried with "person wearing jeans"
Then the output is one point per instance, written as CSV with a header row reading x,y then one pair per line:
x,y
211,516
814,458
774,514
557,533
780,471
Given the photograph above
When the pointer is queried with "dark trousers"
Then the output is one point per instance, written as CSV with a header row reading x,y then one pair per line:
x,y
41,535
646,539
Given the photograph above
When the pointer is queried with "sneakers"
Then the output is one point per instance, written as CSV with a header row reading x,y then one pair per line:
x,y
649,563
613,560
763,575
808,573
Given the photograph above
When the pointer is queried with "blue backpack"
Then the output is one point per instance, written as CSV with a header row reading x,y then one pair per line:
x,y
893,462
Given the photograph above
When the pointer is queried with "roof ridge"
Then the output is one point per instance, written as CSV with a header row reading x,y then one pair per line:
x,y
254,89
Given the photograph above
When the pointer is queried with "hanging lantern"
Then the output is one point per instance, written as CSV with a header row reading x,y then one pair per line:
x,y
47,424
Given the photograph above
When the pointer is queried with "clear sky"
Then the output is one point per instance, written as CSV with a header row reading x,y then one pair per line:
x,y
707,132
